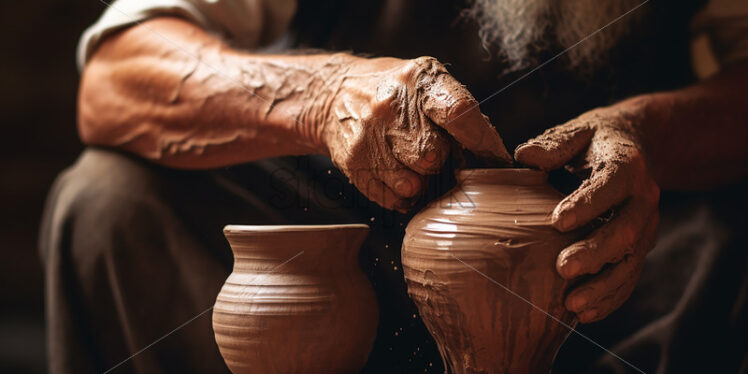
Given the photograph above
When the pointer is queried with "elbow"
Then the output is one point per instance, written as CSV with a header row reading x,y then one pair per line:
x,y
93,111
113,114
89,128
108,112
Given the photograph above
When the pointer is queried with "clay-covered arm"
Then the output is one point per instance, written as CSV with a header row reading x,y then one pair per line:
x,y
170,92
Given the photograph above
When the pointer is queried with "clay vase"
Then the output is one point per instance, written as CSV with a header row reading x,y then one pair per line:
x,y
296,301
480,266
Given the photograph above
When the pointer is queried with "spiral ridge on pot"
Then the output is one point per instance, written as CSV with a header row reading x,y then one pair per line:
x,y
296,301
480,263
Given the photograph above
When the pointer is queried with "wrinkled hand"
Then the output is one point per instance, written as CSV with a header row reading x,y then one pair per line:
x,y
391,122
605,143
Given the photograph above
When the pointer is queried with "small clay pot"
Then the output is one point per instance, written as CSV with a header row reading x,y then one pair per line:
x,y
296,301
477,258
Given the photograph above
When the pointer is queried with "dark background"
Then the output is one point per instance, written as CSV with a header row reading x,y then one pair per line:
x,y
39,78
39,82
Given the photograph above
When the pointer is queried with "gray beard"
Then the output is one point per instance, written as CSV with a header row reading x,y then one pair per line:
x,y
521,29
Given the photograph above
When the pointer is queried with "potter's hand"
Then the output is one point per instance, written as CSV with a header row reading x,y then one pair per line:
x,y
391,122
605,143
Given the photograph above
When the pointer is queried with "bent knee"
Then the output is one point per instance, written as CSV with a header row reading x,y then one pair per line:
x,y
103,195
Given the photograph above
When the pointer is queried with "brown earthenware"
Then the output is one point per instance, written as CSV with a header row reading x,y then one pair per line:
x,y
480,265
296,301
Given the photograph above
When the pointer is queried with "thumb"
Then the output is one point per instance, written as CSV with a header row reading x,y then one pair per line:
x,y
449,105
555,147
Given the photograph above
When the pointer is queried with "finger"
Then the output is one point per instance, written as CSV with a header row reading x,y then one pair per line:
x,y
424,150
556,146
450,106
607,187
607,244
597,298
403,182
377,191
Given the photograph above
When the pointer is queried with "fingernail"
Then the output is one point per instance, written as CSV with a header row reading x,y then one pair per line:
x,y
403,188
428,161
430,156
520,150
567,220
571,268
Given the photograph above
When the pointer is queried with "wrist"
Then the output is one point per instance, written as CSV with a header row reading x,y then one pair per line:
x,y
318,113
288,96
642,117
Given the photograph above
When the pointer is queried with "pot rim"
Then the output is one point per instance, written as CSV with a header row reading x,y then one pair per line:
x,y
238,229
501,174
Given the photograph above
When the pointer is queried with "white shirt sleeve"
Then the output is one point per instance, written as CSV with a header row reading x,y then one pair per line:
x,y
725,23
243,23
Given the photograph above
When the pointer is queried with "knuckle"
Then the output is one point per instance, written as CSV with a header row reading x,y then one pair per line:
x,y
426,154
636,159
583,251
432,141
389,97
429,158
616,167
580,203
566,130
424,65
379,110
463,103
373,118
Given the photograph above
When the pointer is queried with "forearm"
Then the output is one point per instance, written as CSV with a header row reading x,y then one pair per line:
x,y
168,91
696,137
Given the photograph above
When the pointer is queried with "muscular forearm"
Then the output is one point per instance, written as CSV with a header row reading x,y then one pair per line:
x,y
696,137
168,91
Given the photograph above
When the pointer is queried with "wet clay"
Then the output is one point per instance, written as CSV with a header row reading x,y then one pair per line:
x,y
296,301
477,258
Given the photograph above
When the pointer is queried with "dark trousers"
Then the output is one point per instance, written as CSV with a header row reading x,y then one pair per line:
x,y
134,258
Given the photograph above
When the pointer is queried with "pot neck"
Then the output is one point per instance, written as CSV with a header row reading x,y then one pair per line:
x,y
283,242
517,177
